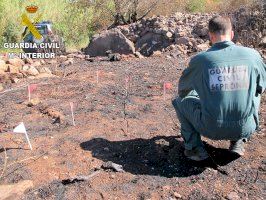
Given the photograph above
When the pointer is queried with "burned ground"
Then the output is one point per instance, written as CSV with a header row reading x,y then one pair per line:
x,y
138,131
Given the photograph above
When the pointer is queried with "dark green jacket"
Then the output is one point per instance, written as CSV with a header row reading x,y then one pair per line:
x,y
229,80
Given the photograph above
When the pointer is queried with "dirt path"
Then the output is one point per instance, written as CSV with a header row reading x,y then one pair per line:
x,y
139,131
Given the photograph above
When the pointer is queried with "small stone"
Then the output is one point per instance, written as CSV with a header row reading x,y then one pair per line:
x,y
172,47
112,176
45,70
42,62
263,42
182,40
71,55
169,34
3,66
32,71
45,75
1,87
138,55
233,196
62,58
25,67
28,61
70,61
52,61
17,62
33,102
12,69
202,47
36,64
113,166
14,79
80,56
156,53
166,188
177,195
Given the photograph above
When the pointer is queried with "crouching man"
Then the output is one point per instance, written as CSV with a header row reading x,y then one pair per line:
x,y
220,92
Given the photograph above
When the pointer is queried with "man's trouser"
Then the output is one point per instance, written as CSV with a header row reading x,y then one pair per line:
x,y
188,111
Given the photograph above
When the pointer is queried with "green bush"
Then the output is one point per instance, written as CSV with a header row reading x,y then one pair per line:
x,y
77,20
196,5
72,21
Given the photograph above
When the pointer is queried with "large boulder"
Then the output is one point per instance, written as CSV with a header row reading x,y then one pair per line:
x,y
3,66
151,42
17,62
113,40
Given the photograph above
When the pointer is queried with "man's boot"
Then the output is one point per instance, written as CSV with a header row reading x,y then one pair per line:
x,y
238,146
197,154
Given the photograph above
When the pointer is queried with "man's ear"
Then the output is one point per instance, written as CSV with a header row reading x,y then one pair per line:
x,y
232,35
212,37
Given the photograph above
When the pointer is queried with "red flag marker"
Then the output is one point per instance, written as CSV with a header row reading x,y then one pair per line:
x,y
166,86
31,88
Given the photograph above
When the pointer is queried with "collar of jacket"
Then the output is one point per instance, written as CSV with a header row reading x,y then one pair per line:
x,y
223,44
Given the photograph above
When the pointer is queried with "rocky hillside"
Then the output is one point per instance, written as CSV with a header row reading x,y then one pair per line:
x,y
180,33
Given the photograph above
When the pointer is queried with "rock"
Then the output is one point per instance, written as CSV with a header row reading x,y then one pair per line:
x,y
36,64
203,47
138,55
51,61
156,53
171,47
33,102
166,188
71,55
3,66
114,57
263,42
112,40
15,191
201,29
62,58
32,71
80,56
45,70
182,40
233,196
12,69
181,34
28,61
45,75
1,87
151,42
25,67
177,195
56,115
17,62
168,34
4,77
14,79
181,49
69,61
113,166
42,62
